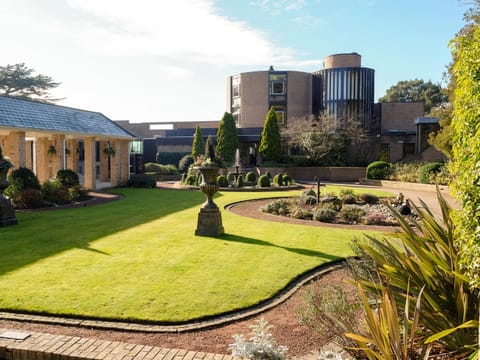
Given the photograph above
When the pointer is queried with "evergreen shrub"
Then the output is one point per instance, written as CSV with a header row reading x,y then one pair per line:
x,y
378,170
427,170
251,177
222,181
141,181
263,181
185,162
278,180
68,178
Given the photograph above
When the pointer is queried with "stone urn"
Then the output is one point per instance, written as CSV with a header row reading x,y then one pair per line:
x,y
209,218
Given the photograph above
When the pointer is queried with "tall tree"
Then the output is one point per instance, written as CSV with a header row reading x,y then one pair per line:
x,y
270,144
227,138
466,142
198,145
416,90
19,81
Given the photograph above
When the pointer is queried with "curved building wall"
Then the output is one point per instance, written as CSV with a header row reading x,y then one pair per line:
x,y
348,93
342,60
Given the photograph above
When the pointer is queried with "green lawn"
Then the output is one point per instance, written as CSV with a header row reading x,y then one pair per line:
x,y
138,258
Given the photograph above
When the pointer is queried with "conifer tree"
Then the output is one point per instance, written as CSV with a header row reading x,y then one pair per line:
x,y
198,146
227,138
270,143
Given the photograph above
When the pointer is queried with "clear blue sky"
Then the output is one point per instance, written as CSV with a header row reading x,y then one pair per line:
x,y
159,60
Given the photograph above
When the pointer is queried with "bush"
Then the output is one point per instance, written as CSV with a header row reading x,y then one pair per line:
x,y
277,207
351,213
54,192
185,162
191,180
404,172
368,198
324,214
287,180
78,193
251,177
349,199
239,181
141,181
23,178
263,181
222,181
299,212
161,169
28,198
427,171
230,177
68,178
378,170
278,180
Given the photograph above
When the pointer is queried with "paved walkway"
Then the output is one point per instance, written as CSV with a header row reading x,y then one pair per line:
x,y
42,346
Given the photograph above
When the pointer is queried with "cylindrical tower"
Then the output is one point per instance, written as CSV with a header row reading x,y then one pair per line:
x,y
345,89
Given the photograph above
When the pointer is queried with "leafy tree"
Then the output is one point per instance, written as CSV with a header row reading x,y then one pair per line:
x,y
19,81
324,136
442,139
227,138
198,146
416,90
466,141
270,144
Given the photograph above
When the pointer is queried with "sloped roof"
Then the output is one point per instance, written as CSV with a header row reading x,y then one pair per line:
x,y
26,115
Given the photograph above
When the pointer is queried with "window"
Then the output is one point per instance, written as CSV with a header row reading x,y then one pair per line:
x,y
280,116
235,90
277,88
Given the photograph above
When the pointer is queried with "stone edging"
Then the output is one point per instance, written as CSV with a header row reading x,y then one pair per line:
x,y
276,300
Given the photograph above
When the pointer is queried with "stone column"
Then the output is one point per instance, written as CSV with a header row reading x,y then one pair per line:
x,y
90,164
41,165
15,148
58,160
103,161
72,157
124,161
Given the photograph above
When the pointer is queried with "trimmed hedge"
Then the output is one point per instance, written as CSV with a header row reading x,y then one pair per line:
x,y
378,170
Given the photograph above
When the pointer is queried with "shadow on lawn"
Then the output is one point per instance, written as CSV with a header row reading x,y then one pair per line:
x,y
42,234
300,251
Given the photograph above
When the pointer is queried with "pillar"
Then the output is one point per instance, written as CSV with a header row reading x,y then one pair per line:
x,y
58,160
124,161
120,163
90,164
15,148
104,159
42,159
72,155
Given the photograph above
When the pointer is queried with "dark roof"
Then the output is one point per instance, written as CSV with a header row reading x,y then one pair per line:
x,y
32,115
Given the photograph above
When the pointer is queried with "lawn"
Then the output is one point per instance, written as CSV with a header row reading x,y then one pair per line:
x,y
138,258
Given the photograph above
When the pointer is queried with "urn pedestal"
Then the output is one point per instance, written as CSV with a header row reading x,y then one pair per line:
x,y
209,218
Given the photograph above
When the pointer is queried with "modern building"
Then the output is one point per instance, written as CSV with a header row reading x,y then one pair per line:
x,y
343,89
46,138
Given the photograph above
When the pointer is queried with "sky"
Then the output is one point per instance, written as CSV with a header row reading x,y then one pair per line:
x,y
168,60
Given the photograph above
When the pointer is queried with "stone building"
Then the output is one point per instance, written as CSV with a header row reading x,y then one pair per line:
x,y
46,138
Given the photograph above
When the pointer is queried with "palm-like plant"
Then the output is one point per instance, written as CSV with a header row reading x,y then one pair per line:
x,y
423,256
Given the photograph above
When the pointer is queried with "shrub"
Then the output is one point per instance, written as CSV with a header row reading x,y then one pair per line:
x,y
263,181
278,180
324,214
368,198
287,180
28,198
378,170
231,177
327,312
54,192
23,178
277,207
222,181
185,162
251,177
426,171
376,218
191,180
261,345
344,192
68,178
161,169
404,172
141,181
299,212
269,175
166,158
349,199
351,213
239,180
77,193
